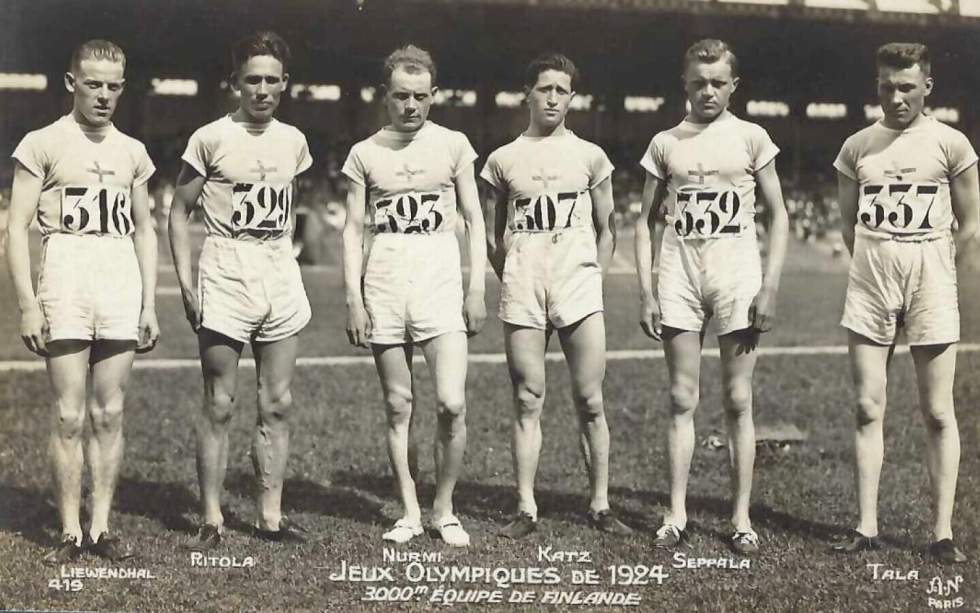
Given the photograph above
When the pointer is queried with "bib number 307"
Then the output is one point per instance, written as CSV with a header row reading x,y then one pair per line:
x,y
102,209
900,208
707,214
546,212
261,206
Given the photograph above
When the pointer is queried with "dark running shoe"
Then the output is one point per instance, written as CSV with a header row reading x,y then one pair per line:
x,y
605,521
519,527
207,538
66,551
745,542
669,536
112,548
855,542
946,551
288,532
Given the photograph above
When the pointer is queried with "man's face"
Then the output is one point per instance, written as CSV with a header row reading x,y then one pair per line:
x,y
408,99
549,98
95,85
708,88
902,93
260,82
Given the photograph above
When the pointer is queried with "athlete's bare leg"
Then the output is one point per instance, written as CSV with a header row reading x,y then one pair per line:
x,y
737,365
935,366
111,363
219,363
525,357
274,365
68,365
682,350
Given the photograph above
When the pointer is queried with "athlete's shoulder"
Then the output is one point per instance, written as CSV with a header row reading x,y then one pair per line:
x,y
51,132
128,141
287,129
945,131
750,128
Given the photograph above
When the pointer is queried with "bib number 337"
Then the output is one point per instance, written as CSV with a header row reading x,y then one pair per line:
x,y
901,208
101,209
703,213
261,206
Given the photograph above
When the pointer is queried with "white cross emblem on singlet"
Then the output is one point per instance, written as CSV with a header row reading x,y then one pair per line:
x,y
262,170
897,171
544,178
700,173
99,171
408,173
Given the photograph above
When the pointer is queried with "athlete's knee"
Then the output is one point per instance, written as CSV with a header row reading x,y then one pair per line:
x,y
870,408
107,416
219,405
589,404
69,418
684,399
274,403
528,399
451,407
939,415
398,406
738,397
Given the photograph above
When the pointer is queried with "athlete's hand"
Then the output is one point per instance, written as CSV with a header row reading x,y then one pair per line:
x,y
650,318
34,329
192,309
358,326
762,312
149,331
474,313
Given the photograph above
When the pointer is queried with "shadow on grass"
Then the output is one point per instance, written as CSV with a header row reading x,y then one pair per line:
x,y
28,512
168,503
336,499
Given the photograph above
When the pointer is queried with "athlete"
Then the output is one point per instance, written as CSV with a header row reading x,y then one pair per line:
x,y
405,184
902,182
241,170
705,173
86,182
552,242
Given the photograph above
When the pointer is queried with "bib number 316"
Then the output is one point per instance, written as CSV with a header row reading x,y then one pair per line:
x,y
103,209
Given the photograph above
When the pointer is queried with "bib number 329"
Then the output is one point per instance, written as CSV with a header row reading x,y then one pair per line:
x,y
900,208
261,206
102,209
707,213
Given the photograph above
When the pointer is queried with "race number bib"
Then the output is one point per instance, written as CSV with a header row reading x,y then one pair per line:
x,y
707,213
412,213
96,209
261,206
899,208
549,212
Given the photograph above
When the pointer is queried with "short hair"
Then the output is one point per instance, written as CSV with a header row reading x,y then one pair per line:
x,y
550,61
97,49
709,51
265,42
904,55
411,59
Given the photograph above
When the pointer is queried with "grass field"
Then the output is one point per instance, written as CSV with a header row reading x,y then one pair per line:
x,y
339,485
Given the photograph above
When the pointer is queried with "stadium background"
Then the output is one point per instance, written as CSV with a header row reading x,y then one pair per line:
x,y
338,484
807,75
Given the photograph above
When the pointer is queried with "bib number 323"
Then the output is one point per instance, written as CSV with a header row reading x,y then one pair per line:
x,y
101,209
261,206
706,213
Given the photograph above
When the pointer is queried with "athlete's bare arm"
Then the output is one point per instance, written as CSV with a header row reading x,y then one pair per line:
x,y
145,243
965,199
474,307
23,206
495,243
763,307
654,191
603,218
189,186
358,322
847,198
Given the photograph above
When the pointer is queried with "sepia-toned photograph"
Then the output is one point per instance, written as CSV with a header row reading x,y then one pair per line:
x,y
489,305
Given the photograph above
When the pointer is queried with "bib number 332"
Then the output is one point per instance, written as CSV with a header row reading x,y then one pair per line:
x,y
901,208
101,209
705,213
261,206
